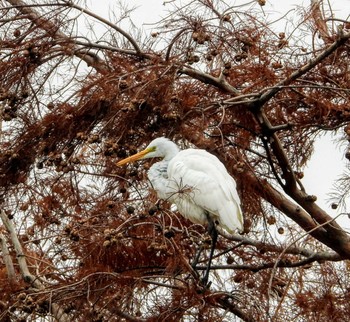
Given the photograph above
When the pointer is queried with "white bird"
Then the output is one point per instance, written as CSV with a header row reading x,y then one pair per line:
x,y
197,183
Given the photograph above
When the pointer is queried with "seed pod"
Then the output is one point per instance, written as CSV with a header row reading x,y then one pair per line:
x,y
226,17
214,52
271,220
152,210
277,65
123,84
94,138
21,297
229,259
81,136
110,204
209,57
130,210
227,65
238,278
169,233
17,33
195,58
106,243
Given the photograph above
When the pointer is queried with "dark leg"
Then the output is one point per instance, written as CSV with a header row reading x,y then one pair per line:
x,y
214,237
196,259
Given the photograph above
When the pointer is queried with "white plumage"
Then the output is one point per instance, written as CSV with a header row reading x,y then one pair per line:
x,y
196,181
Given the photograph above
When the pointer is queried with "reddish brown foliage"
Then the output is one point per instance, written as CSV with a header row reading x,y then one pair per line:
x,y
96,243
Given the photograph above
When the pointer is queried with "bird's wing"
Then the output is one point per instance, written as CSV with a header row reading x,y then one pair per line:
x,y
212,188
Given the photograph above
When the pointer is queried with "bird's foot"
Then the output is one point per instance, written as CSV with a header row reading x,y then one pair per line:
x,y
204,285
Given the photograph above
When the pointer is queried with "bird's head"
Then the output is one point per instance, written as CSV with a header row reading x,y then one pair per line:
x,y
158,148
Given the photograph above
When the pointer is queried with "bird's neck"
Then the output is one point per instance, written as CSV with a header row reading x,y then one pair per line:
x,y
172,150
158,176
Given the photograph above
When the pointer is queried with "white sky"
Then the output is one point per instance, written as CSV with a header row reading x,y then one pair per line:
x,y
328,162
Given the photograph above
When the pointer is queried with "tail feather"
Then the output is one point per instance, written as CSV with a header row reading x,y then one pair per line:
x,y
231,218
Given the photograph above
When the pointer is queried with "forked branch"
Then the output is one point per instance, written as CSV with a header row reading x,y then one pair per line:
x,y
23,266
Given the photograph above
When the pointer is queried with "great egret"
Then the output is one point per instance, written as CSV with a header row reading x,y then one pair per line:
x,y
197,183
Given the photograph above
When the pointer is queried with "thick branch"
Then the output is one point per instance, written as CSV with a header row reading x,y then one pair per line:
x,y
27,276
340,237
219,82
22,262
7,259
339,241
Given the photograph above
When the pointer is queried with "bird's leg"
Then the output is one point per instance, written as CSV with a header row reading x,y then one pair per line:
x,y
196,259
214,237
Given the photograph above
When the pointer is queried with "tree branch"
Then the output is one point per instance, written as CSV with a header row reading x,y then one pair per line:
x,y
219,82
7,259
108,23
316,257
26,275
338,241
227,301
339,236
57,312
52,30
268,94
319,20
268,247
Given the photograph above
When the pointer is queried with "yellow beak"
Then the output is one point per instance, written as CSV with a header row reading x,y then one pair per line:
x,y
134,157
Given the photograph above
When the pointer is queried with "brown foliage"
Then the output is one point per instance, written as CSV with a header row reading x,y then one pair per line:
x,y
89,241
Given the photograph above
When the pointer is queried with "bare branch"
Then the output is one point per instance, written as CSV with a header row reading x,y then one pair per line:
x,y
7,259
53,31
316,257
319,20
22,262
108,23
269,247
27,276
219,82
267,95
